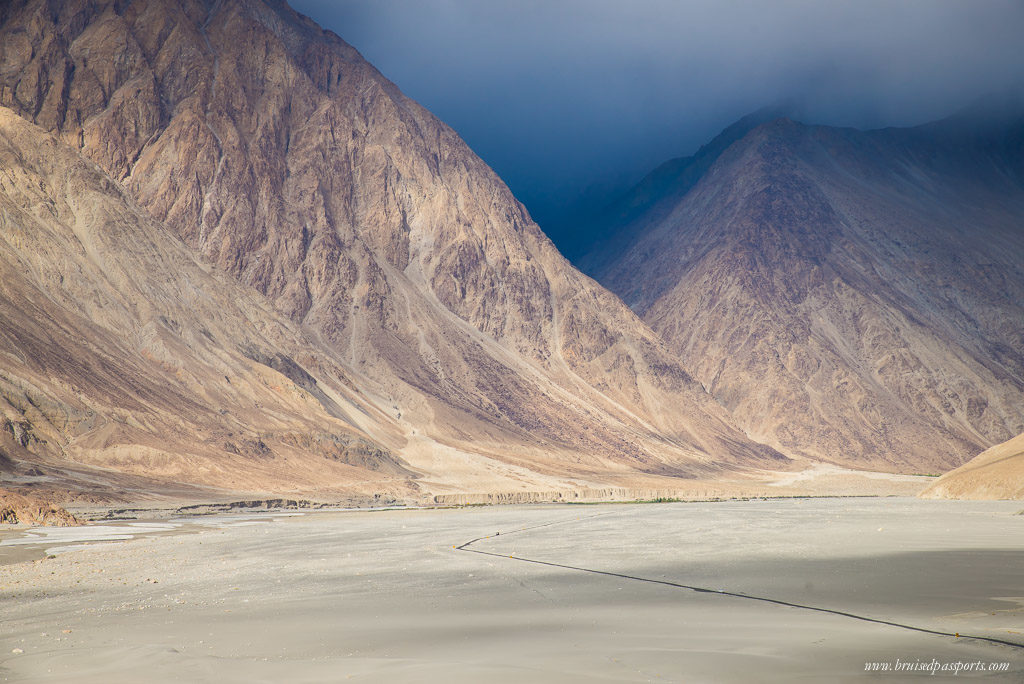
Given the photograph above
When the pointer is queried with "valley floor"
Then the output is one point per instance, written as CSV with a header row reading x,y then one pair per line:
x,y
777,590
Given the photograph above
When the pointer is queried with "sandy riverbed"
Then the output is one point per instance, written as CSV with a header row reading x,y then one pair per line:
x,y
384,596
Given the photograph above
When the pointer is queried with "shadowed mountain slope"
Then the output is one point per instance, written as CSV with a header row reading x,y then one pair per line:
x,y
856,297
657,193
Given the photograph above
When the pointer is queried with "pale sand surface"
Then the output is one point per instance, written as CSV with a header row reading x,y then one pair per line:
x,y
996,473
384,596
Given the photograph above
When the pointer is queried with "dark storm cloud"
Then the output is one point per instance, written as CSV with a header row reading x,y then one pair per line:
x,y
570,100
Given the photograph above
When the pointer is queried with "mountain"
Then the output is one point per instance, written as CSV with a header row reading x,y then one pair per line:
x,y
855,297
394,262
996,473
127,362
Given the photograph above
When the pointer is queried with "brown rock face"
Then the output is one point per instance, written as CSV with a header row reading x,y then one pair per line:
x,y
17,509
856,297
277,154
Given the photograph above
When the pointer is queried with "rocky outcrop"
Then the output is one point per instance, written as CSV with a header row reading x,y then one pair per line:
x,y
18,509
852,297
281,157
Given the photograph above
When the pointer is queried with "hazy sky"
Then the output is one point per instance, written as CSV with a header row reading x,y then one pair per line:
x,y
571,101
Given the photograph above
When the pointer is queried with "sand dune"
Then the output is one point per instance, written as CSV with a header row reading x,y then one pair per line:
x,y
996,473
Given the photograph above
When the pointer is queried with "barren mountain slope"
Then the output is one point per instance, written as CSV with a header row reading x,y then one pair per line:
x,y
996,473
278,154
856,297
118,350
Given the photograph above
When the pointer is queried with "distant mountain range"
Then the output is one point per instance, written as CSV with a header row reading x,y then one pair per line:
x,y
851,296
